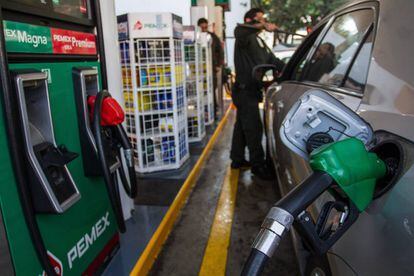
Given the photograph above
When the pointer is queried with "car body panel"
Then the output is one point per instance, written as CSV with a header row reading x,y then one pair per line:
x,y
381,242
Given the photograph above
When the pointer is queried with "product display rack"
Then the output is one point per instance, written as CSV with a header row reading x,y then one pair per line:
x,y
155,101
207,76
194,89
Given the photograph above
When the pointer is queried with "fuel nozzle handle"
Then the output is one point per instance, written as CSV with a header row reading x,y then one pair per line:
x,y
281,217
130,189
346,163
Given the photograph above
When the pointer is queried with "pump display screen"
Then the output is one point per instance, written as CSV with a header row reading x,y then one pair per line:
x,y
35,3
75,8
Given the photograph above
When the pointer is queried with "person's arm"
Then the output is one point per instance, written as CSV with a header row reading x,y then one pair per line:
x,y
242,33
270,27
274,60
271,58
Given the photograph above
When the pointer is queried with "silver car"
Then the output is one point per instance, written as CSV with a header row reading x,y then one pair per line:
x,y
284,52
362,54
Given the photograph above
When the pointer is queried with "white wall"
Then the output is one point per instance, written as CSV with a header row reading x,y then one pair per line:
x,y
113,62
238,9
178,7
210,4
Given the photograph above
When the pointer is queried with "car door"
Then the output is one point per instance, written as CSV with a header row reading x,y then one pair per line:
x,y
350,32
277,97
348,38
381,242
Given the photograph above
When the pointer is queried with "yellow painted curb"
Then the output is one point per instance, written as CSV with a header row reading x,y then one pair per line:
x,y
215,255
147,258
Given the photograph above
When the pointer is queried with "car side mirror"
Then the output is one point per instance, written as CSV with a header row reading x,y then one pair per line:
x,y
316,119
265,74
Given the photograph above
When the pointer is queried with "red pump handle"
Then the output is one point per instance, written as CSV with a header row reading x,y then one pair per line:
x,y
112,112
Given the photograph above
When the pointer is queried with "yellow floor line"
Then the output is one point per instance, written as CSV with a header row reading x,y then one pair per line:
x,y
215,255
147,258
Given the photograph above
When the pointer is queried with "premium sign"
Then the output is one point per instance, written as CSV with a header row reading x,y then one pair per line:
x,y
71,42
27,38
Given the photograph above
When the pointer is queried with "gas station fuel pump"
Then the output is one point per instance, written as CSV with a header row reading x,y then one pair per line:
x,y
338,145
60,208
105,145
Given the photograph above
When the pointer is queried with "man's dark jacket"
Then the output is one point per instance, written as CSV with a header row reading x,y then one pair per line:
x,y
250,50
217,49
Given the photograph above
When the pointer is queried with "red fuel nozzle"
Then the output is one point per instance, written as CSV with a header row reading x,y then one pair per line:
x,y
112,112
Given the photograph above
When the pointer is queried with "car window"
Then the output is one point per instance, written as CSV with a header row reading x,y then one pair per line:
x,y
330,62
298,67
357,77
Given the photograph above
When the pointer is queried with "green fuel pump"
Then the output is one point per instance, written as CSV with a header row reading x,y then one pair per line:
x,y
351,183
55,217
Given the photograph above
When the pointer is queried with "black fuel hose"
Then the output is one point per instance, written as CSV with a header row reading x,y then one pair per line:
x,y
131,189
294,203
298,199
124,179
116,187
255,263
109,182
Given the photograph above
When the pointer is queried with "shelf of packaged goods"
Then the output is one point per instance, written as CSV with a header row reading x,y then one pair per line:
x,y
155,134
156,112
153,64
154,88
152,166
154,82
192,100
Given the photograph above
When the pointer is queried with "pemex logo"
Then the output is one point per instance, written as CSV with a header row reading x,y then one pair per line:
x,y
56,263
138,25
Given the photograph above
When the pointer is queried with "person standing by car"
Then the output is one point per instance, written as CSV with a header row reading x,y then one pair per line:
x,y
217,58
250,51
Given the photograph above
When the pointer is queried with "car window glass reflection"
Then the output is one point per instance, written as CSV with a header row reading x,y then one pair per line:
x,y
357,77
334,54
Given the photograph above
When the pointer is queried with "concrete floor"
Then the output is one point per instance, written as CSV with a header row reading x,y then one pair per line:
x,y
184,250
156,193
160,188
254,200
140,229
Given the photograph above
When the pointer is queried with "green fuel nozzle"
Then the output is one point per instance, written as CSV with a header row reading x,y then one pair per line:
x,y
352,167
345,169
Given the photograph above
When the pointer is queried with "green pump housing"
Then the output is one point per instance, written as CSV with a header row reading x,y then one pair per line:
x,y
82,237
353,168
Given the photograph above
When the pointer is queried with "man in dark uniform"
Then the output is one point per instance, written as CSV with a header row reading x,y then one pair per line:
x,y
217,58
250,50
